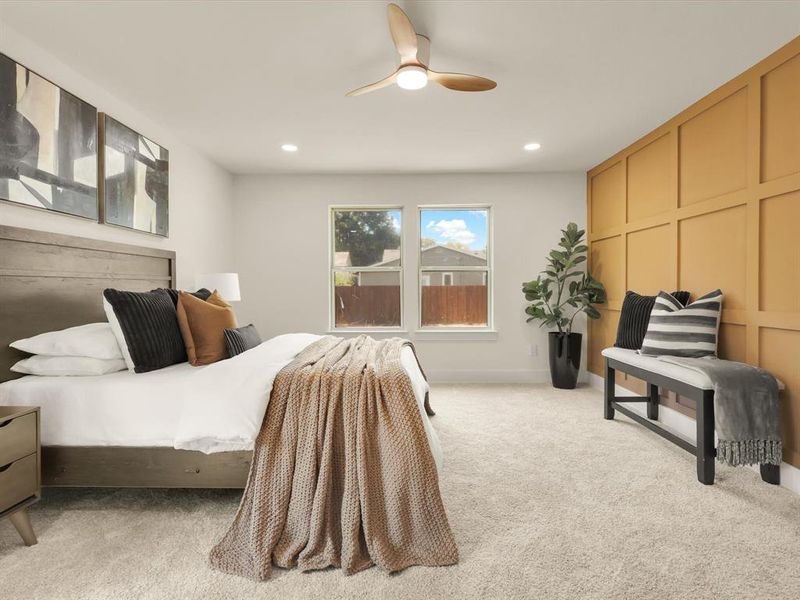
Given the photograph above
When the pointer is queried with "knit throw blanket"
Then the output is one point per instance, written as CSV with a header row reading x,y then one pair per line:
x,y
746,411
342,472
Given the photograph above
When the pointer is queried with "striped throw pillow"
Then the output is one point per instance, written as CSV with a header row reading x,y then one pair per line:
x,y
690,331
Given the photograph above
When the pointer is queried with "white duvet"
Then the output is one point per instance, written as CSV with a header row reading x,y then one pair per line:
x,y
216,408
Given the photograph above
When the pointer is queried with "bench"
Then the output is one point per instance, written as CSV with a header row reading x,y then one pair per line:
x,y
686,382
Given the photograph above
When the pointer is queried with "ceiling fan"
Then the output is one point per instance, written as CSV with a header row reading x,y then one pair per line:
x,y
413,72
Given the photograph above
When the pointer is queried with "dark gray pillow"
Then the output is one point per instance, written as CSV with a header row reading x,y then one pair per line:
x,y
202,293
241,339
149,324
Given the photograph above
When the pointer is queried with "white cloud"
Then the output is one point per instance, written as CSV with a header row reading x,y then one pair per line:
x,y
453,230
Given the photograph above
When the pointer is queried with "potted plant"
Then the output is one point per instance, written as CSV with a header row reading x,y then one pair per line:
x,y
557,296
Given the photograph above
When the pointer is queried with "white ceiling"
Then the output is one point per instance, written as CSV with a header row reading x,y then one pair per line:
x,y
238,79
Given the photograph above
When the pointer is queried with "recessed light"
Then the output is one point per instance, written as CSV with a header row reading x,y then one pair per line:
x,y
532,146
289,147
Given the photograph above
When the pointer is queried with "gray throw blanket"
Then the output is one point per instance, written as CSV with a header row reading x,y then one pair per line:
x,y
745,410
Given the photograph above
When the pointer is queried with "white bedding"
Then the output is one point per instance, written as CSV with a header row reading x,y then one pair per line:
x,y
210,409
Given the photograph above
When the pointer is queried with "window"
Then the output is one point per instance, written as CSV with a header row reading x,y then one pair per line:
x,y
366,267
455,266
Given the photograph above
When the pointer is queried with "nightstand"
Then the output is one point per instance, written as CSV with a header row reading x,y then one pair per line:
x,y
20,460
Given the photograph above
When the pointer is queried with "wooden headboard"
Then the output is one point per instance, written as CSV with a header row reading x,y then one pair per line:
x,y
50,281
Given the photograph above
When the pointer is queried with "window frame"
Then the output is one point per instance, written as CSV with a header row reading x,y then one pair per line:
x,y
332,209
487,270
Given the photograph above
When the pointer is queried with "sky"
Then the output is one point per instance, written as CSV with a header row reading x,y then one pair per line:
x,y
468,227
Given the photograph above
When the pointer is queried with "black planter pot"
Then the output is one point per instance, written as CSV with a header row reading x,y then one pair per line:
x,y
565,359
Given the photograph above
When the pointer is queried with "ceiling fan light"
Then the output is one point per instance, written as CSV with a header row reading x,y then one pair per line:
x,y
412,78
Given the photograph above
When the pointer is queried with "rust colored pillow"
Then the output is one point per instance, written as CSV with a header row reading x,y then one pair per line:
x,y
203,324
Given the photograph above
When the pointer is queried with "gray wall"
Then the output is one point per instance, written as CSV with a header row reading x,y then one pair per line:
x,y
284,292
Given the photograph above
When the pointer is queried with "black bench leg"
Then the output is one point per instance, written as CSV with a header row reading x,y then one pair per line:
x,y
705,439
609,393
771,474
652,405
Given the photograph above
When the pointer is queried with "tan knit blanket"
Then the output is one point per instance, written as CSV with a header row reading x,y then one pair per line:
x,y
342,471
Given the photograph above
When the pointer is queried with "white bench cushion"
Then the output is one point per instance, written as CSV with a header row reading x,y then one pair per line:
x,y
651,363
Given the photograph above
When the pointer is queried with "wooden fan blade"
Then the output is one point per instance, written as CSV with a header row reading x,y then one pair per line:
x,y
374,86
403,34
461,82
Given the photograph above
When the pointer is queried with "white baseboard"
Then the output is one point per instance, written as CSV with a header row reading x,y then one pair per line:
x,y
493,376
684,426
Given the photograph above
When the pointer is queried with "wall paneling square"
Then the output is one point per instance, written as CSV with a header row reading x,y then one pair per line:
x,y
713,254
608,267
650,179
608,199
713,150
650,260
779,259
780,121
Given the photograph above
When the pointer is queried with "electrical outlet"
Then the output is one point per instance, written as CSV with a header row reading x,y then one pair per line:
x,y
533,350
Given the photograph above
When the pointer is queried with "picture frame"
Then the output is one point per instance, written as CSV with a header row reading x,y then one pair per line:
x,y
48,144
134,179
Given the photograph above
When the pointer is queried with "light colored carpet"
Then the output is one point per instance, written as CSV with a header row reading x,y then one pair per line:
x,y
546,500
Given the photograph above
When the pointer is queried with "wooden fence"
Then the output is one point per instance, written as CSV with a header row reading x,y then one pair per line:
x,y
379,305
367,305
454,305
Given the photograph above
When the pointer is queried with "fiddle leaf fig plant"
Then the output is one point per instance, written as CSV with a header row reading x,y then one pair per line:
x,y
564,290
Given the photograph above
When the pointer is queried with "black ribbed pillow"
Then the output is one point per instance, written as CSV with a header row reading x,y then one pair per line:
x,y
149,326
635,316
241,339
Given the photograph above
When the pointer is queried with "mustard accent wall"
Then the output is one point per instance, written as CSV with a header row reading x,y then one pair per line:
x,y
712,199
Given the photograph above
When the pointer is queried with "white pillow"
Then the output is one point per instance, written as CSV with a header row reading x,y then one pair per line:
x,y
58,366
95,340
116,331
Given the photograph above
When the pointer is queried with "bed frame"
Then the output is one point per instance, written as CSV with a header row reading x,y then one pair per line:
x,y
50,281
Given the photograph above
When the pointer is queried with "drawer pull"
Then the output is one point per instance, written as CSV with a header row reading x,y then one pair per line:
x,y
2,469
6,423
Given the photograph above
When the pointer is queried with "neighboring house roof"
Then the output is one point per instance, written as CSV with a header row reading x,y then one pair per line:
x,y
389,256
470,253
393,256
341,259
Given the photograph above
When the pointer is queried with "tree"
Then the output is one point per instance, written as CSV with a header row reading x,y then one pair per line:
x,y
365,234
458,246
427,243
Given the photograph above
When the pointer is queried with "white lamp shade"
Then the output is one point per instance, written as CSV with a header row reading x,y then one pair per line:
x,y
227,284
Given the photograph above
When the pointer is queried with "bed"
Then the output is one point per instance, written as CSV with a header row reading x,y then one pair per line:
x,y
125,429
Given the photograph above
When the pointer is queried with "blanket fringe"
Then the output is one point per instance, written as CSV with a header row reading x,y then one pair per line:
x,y
750,452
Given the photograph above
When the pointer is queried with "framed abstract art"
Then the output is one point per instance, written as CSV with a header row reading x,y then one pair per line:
x,y
48,144
135,179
